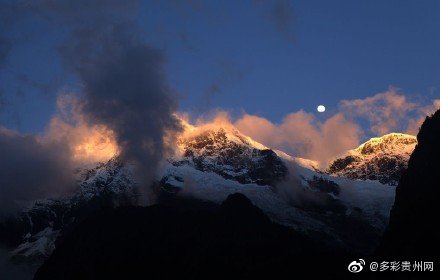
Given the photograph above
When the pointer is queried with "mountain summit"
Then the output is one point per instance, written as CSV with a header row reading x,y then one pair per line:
x,y
381,158
230,154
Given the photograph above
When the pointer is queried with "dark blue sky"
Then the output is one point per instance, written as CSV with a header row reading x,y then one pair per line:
x,y
247,56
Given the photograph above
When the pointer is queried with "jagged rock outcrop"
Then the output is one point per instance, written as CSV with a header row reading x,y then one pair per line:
x,y
232,156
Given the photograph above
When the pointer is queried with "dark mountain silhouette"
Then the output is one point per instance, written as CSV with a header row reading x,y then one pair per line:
x,y
413,231
187,239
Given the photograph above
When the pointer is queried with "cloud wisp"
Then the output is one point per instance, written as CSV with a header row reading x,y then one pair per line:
x,y
42,166
302,135
32,168
385,111
389,111
124,83
125,104
281,14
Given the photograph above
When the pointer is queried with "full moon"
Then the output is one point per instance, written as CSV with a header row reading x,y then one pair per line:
x,y
321,108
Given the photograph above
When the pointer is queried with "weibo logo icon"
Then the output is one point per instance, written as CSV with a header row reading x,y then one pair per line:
x,y
356,266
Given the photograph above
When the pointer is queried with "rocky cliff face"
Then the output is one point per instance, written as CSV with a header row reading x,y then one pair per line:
x,y
413,230
383,159
232,156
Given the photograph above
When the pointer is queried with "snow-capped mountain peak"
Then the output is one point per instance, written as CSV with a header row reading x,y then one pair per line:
x,y
225,151
393,143
380,158
213,135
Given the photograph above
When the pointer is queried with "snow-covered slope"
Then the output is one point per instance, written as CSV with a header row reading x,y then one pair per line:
x,y
107,185
382,159
210,164
220,161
